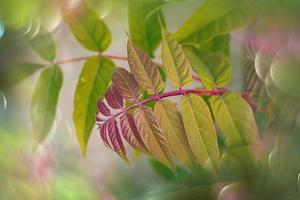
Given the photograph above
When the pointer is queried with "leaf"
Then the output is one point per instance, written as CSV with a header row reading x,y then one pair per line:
x,y
16,73
88,28
126,84
153,136
235,119
162,170
219,43
144,70
200,129
44,101
131,133
144,24
115,139
44,46
114,98
213,18
171,123
92,83
213,69
176,64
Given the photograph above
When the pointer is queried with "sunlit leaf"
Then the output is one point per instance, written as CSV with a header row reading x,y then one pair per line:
x,y
213,69
144,24
153,136
171,123
126,84
200,129
16,73
44,101
176,64
88,28
215,17
235,118
144,70
44,46
131,133
92,84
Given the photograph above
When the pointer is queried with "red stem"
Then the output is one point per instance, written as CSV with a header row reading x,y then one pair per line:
x,y
87,57
179,92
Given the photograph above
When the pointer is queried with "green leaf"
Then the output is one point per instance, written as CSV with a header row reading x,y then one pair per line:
x,y
144,24
176,64
16,73
213,69
44,101
235,118
161,169
215,17
88,28
171,123
219,43
92,84
153,136
200,130
144,70
44,46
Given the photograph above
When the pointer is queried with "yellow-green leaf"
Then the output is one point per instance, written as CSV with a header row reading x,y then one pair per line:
x,y
44,46
200,130
144,70
176,64
44,101
153,136
88,28
215,17
92,84
214,69
171,123
235,118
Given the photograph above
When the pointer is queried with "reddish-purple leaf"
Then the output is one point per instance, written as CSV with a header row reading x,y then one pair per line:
x,y
103,109
115,139
131,133
113,98
103,134
126,84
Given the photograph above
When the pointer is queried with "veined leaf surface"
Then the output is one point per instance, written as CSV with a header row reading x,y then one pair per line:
x,y
215,17
153,136
213,69
176,64
144,70
44,101
171,123
126,84
200,129
235,118
92,84
88,28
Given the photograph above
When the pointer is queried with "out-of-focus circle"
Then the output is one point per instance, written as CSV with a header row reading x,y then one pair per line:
x,y
262,64
3,102
285,71
232,192
1,29
51,16
102,7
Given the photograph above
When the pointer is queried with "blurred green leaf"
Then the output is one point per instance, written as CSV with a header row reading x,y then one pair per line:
x,y
44,101
16,73
213,69
215,17
161,169
144,27
44,46
219,43
88,28
92,84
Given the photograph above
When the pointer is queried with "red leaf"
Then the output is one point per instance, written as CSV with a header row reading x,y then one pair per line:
x,y
103,109
131,133
103,134
115,139
113,98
